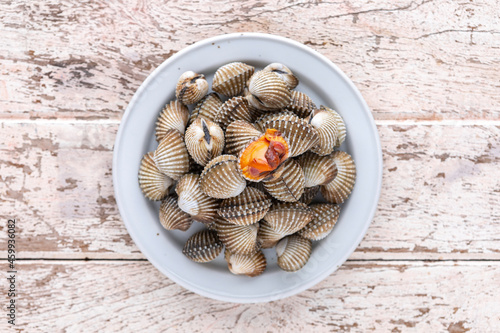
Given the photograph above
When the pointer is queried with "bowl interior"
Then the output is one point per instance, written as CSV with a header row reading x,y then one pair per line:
x,y
319,79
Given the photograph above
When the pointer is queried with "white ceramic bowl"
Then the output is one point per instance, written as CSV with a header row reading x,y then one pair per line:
x,y
325,84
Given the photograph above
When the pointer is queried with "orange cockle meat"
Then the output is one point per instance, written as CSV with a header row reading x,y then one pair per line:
x,y
264,155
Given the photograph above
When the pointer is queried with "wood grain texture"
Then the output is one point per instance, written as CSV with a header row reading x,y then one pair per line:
x,y
411,59
439,197
130,297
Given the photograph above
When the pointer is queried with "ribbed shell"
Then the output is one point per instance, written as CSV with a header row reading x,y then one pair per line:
x,y
172,217
173,116
238,134
325,124
266,91
221,178
171,156
233,109
341,129
251,265
267,236
299,134
237,238
203,246
204,140
153,183
207,108
247,208
260,122
293,252
193,201
301,104
287,218
340,188
256,113
290,185
325,217
318,170
309,194
230,79
284,73
191,87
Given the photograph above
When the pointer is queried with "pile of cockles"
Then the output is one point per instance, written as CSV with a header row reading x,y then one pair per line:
x,y
247,162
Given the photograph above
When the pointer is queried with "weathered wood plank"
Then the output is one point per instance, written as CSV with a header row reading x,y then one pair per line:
x,y
410,59
439,198
359,297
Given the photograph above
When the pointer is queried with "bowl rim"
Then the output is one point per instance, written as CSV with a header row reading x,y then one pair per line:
x,y
222,38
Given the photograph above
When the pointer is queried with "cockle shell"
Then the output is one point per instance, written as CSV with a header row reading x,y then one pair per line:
x,y
230,79
341,128
340,188
325,217
287,218
221,178
290,185
193,201
173,116
318,170
191,87
301,104
260,122
171,155
325,124
247,208
293,252
238,134
250,265
284,73
238,238
153,183
266,91
300,135
207,107
309,194
203,246
267,236
233,109
172,217
204,140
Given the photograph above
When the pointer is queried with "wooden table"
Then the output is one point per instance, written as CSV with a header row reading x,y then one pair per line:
x,y
429,70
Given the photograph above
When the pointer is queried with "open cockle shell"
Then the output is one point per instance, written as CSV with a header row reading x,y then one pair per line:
x,y
301,104
203,246
318,170
288,218
153,183
309,194
193,201
173,116
172,217
300,135
204,140
171,155
284,73
290,185
191,87
233,109
221,177
293,252
267,91
250,265
247,208
325,124
207,107
238,134
339,189
263,119
267,236
230,79
262,157
341,128
325,217
238,238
